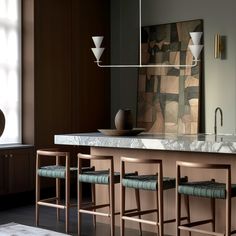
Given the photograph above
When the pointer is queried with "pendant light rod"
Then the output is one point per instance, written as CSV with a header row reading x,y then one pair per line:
x,y
140,35
146,66
195,49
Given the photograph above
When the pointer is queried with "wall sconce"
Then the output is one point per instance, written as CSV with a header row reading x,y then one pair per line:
x,y
195,49
218,46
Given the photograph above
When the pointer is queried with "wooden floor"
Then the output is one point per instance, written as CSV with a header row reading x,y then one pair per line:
x,y
25,215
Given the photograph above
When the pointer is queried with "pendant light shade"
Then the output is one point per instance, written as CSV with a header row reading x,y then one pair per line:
x,y
195,49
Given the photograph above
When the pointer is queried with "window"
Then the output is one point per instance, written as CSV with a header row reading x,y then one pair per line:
x,y
10,69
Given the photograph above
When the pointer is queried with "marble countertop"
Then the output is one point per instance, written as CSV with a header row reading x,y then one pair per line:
x,y
221,143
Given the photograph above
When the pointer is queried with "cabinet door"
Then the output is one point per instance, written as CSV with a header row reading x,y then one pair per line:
x,y
52,70
20,170
3,173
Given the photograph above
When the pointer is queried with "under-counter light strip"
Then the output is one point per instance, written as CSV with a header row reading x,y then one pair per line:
x,y
195,50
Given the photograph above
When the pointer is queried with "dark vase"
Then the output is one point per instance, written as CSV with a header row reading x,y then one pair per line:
x,y
2,122
124,119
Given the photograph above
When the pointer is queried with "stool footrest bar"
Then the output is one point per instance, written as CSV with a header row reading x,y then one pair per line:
x,y
49,199
140,220
51,205
169,221
174,220
184,218
94,213
196,223
95,207
233,232
140,213
200,231
131,210
127,211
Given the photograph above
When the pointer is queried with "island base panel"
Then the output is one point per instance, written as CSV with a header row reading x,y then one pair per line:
x,y
200,208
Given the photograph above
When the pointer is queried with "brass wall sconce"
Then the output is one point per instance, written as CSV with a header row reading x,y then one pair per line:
x,y
218,46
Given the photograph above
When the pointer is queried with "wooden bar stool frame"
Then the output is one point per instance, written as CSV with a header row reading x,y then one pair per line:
x,y
159,197
188,226
92,209
111,189
48,202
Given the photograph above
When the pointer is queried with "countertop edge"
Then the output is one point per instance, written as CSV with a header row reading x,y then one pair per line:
x,y
150,142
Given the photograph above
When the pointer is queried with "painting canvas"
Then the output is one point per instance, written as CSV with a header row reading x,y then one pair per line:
x,y
169,98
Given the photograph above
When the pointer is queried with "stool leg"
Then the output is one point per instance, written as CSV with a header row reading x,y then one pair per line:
x,y
213,213
109,199
37,199
112,207
94,202
159,200
186,202
67,203
79,200
122,210
178,212
137,196
157,204
228,216
58,196
178,201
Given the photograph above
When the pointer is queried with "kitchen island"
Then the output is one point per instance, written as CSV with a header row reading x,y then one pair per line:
x,y
207,148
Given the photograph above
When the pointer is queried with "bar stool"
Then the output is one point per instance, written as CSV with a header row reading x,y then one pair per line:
x,y
57,172
156,183
206,189
104,177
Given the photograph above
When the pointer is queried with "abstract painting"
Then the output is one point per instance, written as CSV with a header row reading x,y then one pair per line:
x,y
169,97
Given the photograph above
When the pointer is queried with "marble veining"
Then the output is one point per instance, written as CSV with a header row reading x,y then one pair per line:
x,y
222,143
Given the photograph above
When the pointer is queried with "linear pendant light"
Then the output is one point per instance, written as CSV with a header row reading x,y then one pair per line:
x,y
195,49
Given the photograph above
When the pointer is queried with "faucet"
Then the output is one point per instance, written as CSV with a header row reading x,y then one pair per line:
x,y
221,118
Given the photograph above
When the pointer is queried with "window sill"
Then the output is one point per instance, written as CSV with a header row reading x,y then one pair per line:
x,y
15,146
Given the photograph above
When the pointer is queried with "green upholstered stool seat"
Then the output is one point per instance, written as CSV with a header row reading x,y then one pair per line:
x,y
99,177
149,182
207,189
56,171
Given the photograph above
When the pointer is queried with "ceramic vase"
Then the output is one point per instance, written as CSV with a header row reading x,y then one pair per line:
x,y
2,122
124,119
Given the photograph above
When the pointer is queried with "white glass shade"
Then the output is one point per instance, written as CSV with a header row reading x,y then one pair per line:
x,y
196,37
97,52
195,50
97,41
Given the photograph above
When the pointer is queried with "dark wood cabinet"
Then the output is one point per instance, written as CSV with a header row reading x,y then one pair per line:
x,y
63,89
16,170
21,170
3,173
